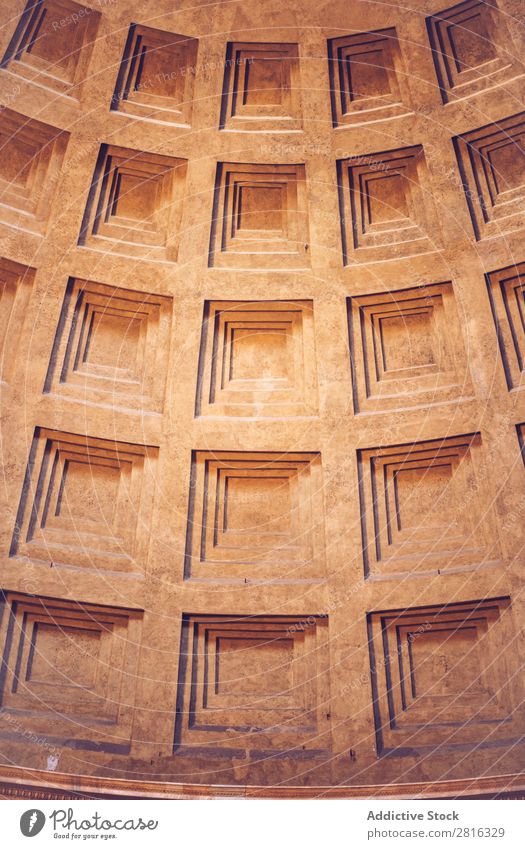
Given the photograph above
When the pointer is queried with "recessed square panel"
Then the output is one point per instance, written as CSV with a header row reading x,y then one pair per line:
x,y
272,659
261,90
52,45
440,676
252,684
470,39
105,327
407,340
85,503
422,510
63,656
135,204
155,80
438,655
367,78
387,198
264,81
252,502
416,490
492,165
260,353
261,207
470,48
254,517
110,347
386,212
69,672
259,217
135,197
507,168
95,487
31,155
407,349
257,359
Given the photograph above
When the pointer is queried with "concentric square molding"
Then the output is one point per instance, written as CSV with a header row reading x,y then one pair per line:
x,y
441,676
31,155
261,90
255,517
135,204
259,217
16,282
253,685
110,347
422,510
406,349
385,211
257,358
367,78
470,48
52,44
68,672
492,166
507,297
86,503
156,76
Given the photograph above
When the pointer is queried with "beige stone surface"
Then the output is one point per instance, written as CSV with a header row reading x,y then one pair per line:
x,y
262,350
